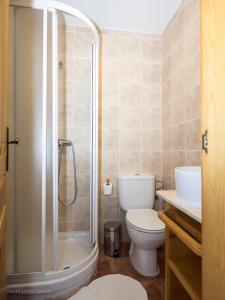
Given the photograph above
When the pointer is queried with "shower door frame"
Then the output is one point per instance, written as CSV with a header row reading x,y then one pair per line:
x,y
51,6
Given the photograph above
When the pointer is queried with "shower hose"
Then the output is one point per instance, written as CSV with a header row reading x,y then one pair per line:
x,y
61,144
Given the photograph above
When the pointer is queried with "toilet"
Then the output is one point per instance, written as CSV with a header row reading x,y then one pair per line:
x,y
145,229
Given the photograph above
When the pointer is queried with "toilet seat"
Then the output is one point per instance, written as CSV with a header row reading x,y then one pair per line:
x,y
145,220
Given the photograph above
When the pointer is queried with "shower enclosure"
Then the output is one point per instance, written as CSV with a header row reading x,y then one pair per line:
x,y
53,150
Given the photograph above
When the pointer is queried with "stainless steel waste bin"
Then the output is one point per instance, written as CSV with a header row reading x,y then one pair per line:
x,y
112,238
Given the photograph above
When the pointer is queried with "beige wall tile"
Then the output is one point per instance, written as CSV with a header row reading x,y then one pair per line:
x,y
193,103
110,71
167,70
178,84
110,117
167,91
192,72
167,182
193,139
130,139
130,94
167,162
82,44
69,42
81,70
151,162
151,74
78,92
66,112
82,209
152,96
130,47
152,139
193,158
178,160
110,139
151,118
167,139
110,94
178,57
111,208
178,137
110,162
193,38
130,72
130,162
82,138
167,115
83,161
66,214
130,116
82,116
61,42
178,110
110,44
181,97
152,50
83,183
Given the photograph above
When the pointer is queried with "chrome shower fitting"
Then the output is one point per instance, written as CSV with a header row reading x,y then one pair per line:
x,y
61,144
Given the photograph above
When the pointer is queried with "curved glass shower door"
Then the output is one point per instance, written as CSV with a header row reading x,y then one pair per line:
x,y
53,192
26,159
75,41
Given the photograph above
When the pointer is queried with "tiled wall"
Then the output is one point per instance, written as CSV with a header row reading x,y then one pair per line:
x,y
74,124
131,110
181,91
131,114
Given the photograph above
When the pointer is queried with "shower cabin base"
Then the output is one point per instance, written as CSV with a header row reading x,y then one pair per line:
x,y
73,247
64,282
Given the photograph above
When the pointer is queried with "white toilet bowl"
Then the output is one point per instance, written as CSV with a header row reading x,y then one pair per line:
x,y
145,229
146,232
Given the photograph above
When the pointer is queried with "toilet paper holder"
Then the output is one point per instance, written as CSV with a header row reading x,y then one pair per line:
x,y
107,189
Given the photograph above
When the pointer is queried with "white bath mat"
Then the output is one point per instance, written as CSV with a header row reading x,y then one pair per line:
x,y
112,287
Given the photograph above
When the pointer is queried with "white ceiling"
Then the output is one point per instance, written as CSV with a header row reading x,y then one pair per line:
x,y
135,15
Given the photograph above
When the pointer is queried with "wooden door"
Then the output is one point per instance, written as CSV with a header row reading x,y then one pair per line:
x,y
3,146
213,163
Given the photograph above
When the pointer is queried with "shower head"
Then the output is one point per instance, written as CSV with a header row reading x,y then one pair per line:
x,y
64,143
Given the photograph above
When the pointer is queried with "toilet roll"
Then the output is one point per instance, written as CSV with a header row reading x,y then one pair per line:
x,y
107,188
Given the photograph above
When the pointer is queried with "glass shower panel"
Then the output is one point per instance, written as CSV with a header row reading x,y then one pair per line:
x,y
75,139
27,126
50,124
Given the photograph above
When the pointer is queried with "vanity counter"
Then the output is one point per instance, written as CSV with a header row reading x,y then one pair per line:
x,y
170,197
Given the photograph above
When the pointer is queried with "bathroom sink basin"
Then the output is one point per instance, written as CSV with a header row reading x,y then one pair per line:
x,y
189,185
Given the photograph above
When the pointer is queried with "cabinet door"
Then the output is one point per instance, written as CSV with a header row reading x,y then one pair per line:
x,y
4,6
213,162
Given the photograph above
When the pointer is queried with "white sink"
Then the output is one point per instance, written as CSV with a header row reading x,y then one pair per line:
x,y
189,185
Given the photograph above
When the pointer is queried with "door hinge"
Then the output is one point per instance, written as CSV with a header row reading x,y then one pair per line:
x,y
205,141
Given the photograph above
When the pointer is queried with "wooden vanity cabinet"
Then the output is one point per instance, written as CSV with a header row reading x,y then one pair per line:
x,y
183,255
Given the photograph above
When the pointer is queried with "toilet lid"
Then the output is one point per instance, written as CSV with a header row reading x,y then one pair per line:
x,y
145,219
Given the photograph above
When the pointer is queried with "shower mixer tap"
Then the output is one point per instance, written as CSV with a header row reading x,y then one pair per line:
x,y
64,142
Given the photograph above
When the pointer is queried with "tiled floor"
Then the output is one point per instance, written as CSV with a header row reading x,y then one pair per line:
x,y
121,265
